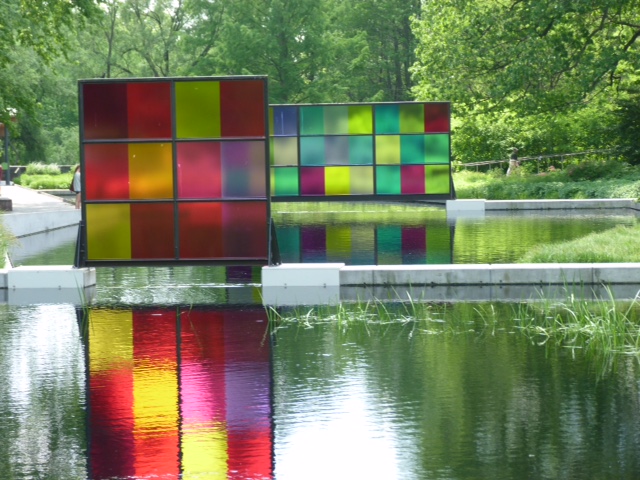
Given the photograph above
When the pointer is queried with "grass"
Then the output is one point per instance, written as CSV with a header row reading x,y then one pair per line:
x,y
43,181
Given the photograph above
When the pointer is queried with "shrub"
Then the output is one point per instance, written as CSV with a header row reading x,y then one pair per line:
x,y
39,168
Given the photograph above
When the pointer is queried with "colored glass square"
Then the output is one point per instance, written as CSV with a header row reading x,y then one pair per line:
x,y
311,120
198,109
242,108
388,180
152,231
284,181
363,247
336,120
389,245
438,179
313,244
360,150
312,151
337,180
414,245
337,150
200,228
289,243
436,148
360,120
244,170
106,171
150,170
149,112
104,111
361,180
338,241
199,170
283,121
108,231
244,230
413,179
312,181
411,118
284,151
437,118
387,149
439,245
387,118
412,149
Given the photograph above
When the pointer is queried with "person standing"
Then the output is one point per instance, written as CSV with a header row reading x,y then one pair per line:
x,y
513,161
77,186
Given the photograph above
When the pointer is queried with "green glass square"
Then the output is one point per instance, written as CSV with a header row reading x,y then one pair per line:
x,y
284,181
360,150
387,118
360,120
412,149
312,151
198,109
389,245
337,180
412,118
336,120
284,150
436,148
311,120
388,150
438,179
361,180
439,245
388,180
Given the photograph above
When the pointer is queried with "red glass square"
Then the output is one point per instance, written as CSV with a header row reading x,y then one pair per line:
x,y
242,108
106,171
104,114
152,231
199,170
413,181
200,227
244,227
436,118
312,181
149,109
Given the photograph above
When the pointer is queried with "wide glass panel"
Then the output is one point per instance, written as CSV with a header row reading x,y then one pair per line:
x,y
245,229
284,121
284,151
388,180
337,180
361,180
360,119
312,120
243,170
242,108
411,118
436,118
388,150
387,118
437,148
336,120
200,227
150,170
361,150
312,151
152,231
104,111
106,171
199,170
413,179
284,181
438,179
412,149
312,181
337,150
108,232
149,112
198,109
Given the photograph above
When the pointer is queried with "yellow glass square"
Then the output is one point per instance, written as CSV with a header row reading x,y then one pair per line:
x,y
337,180
150,171
108,231
388,150
198,109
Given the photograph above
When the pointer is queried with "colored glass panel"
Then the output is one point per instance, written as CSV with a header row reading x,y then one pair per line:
x,y
312,120
413,179
414,245
337,180
152,231
312,181
388,180
438,179
412,149
150,170
243,170
244,229
439,246
389,245
108,232
338,239
360,120
411,118
363,245
283,121
388,150
200,227
437,118
284,151
314,240
312,151
284,181
149,112
199,170
106,171
436,148
197,109
387,118
242,108
336,120
361,180
104,111
360,150
337,150
288,237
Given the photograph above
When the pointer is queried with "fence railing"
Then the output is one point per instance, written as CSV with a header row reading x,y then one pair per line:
x,y
562,158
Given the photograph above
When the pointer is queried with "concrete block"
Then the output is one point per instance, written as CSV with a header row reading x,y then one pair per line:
x,y
542,274
357,275
302,275
293,296
50,277
474,205
611,273
6,204
31,296
431,275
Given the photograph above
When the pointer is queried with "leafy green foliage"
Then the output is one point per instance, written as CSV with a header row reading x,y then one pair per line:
x,y
45,181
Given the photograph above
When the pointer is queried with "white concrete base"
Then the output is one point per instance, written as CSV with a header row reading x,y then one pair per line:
x,y
302,275
455,206
50,277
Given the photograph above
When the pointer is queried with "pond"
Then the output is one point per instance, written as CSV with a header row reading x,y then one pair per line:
x,y
179,373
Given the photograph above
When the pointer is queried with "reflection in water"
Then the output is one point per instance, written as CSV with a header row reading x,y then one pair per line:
x,y
179,391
